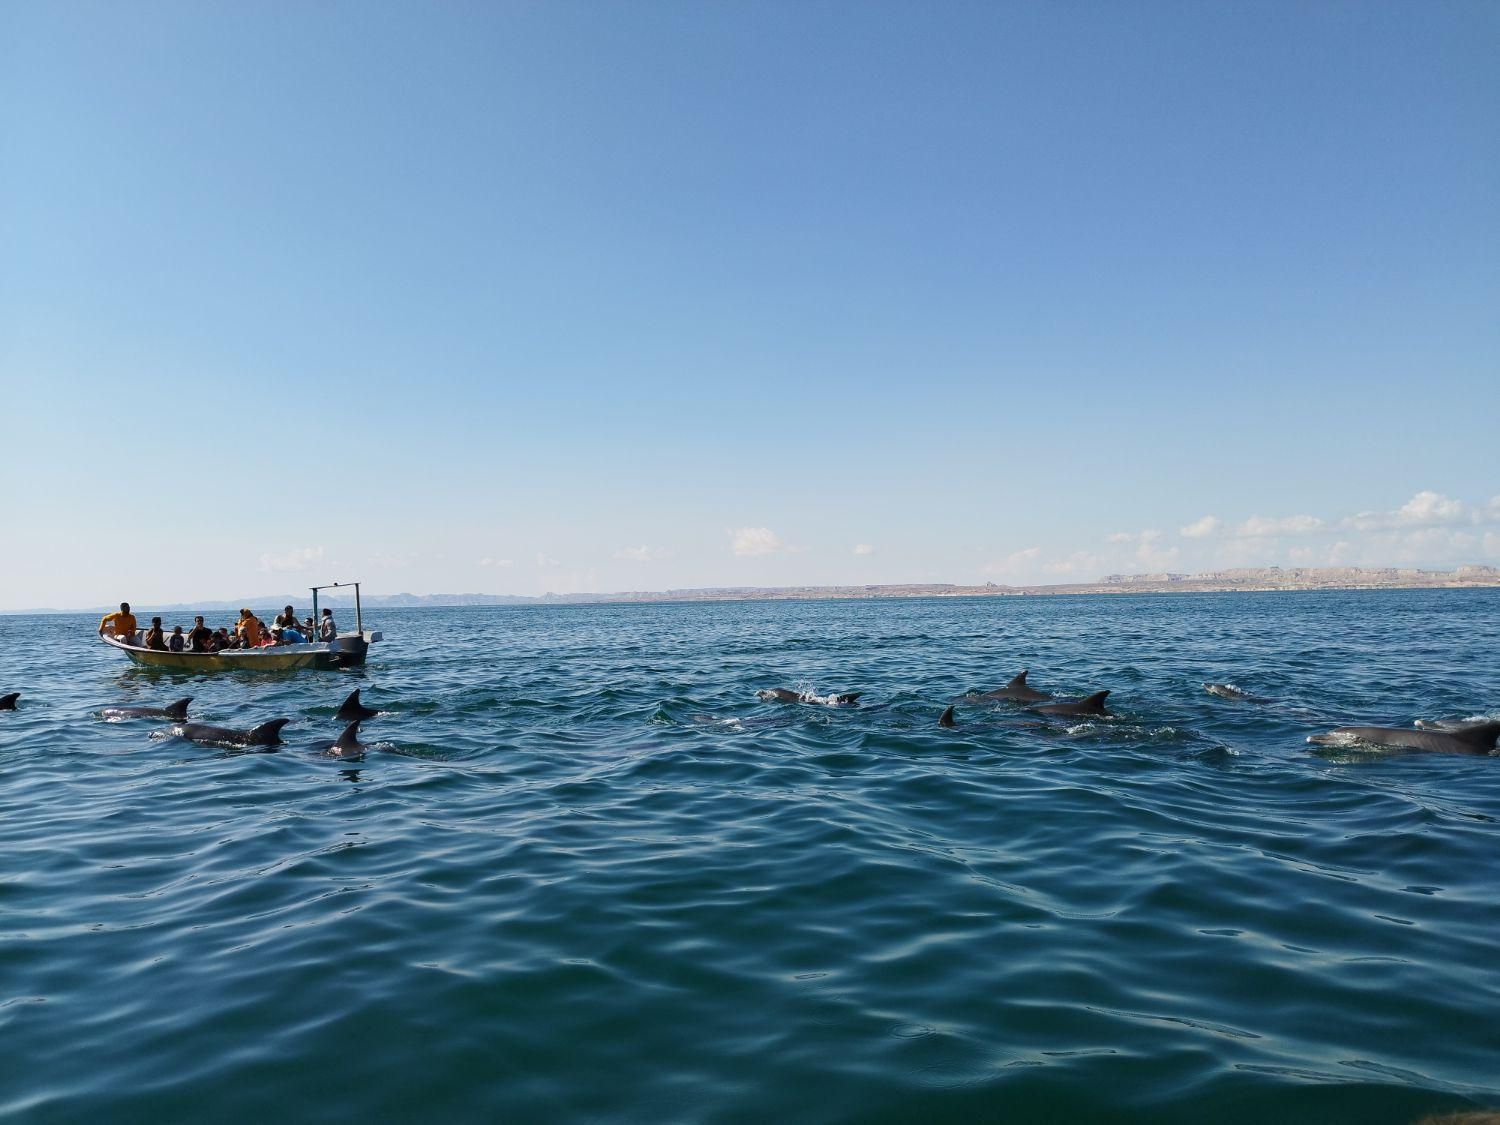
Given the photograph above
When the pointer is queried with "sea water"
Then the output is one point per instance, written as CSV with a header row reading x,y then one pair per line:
x,y
583,874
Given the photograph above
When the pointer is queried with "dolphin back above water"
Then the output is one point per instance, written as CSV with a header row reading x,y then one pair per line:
x,y
786,695
1448,725
352,710
176,711
1019,690
1089,705
347,744
267,734
8,702
1471,738
1235,694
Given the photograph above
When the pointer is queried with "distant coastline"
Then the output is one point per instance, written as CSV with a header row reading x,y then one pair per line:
x,y
1239,580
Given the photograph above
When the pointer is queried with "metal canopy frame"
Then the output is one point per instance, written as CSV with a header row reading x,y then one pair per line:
x,y
359,618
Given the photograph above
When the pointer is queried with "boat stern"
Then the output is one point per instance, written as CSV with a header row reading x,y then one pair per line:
x,y
350,651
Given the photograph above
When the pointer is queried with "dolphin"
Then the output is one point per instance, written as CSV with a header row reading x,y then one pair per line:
x,y
1473,738
1450,725
1229,691
352,709
946,718
8,702
1090,705
1019,690
267,734
176,711
785,695
348,745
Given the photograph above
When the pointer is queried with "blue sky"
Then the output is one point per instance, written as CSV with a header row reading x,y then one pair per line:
x,y
526,297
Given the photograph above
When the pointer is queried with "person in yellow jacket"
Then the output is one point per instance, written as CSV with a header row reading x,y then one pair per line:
x,y
249,628
121,625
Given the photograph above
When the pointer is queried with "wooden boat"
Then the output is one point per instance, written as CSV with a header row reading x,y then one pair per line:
x,y
279,658
346,651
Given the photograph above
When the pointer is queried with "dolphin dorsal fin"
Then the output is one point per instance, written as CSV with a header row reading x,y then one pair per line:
x,y
352,708
1095,701
350,738
269,733
178,710
946,719
1019,681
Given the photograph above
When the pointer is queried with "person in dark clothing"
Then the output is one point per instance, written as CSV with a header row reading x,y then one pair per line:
x,y
200,637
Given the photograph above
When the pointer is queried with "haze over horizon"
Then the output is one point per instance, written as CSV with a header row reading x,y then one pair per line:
x,y
581,297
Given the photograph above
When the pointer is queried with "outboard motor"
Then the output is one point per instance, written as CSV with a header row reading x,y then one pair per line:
x,y
349,650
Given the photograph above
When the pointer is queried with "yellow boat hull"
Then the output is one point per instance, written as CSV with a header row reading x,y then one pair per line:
x,y
281,658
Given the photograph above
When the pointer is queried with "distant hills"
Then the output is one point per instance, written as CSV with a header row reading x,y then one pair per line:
x,y
1214,581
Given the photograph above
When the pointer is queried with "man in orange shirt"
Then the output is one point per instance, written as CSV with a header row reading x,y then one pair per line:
x,y
121,625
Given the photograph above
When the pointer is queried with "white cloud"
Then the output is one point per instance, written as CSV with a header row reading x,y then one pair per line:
x,y
1244,552
292,561
1425,509
1150,535
750,541
1157,558
1431,508
546,562
863,549
1426,544
1079,562
495,562
1017,563
642,553
1263,527
1429,530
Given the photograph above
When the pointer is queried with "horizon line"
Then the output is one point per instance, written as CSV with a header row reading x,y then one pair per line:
x,y
1486,574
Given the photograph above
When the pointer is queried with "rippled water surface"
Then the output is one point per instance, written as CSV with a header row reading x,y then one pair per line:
x,y
583,873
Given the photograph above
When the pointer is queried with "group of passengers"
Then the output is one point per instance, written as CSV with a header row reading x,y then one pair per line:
x,y
247,632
